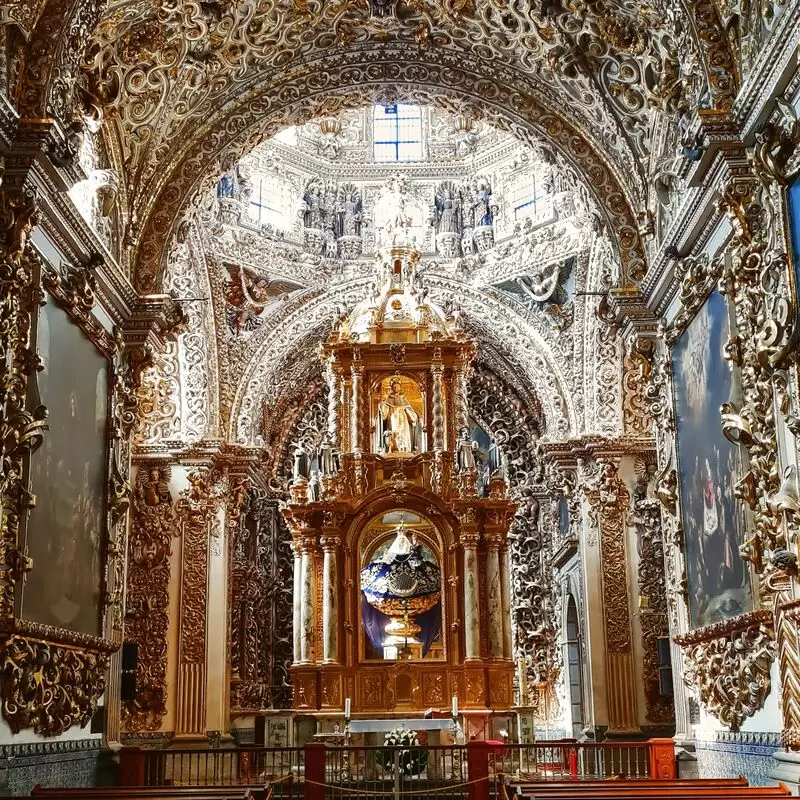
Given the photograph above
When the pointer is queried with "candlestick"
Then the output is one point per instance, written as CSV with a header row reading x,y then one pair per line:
x,y
454,706
347,708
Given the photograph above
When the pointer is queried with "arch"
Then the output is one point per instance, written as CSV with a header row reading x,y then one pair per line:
x,y
325,86
539,360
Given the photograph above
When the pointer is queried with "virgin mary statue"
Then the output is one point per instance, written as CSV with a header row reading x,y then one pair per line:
x,y
398,424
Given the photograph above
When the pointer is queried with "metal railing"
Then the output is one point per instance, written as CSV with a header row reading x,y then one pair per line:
x,y
278,767
559,760
449,772
435,771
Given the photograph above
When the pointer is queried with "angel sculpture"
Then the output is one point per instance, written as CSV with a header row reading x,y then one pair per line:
x,y
251,296
545,286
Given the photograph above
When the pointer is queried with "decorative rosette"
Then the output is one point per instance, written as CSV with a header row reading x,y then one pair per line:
x,y
402,750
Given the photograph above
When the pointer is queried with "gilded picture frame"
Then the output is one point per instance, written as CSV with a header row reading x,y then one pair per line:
x,y
720,583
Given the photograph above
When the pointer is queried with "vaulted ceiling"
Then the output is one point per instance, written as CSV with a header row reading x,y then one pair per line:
x,y
185,87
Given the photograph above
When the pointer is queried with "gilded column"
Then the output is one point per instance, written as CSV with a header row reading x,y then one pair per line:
x,y
438,406
330,614
355,408
469,541
494,598
198,508
297,598
307,601
334,400
609,500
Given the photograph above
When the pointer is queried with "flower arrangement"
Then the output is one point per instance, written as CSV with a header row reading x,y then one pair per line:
x,y
402,748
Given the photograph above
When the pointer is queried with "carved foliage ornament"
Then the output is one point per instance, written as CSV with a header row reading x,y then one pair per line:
x,y
49,688
153,527
609,498
729,666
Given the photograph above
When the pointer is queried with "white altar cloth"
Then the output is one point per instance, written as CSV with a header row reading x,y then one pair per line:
x,y
384,725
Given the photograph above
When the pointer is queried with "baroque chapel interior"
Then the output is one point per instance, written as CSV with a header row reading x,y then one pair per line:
x,y
399,398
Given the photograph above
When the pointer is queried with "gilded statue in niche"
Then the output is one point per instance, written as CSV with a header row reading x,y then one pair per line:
x,y
719,583
65,531
398,422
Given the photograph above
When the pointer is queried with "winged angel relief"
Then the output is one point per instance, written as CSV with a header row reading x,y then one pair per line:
x,y
251,297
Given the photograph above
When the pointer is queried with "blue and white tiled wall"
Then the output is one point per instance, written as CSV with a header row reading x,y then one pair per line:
x,y
722,754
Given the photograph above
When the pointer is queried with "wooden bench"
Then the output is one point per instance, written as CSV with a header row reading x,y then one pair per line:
x,y
603,783
624,787
611,789
150,793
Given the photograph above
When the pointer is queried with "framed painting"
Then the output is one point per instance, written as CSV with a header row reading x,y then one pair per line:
x,y
719,580
65,534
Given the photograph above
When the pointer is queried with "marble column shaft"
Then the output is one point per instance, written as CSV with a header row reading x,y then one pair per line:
x,y
330,613
297,600
494,599
505,595
472,638
307,604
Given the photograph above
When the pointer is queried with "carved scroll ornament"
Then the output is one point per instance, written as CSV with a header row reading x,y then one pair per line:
x,y
149,547
729,665
50,688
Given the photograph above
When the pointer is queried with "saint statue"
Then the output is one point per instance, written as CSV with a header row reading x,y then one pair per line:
x,y
313,488
481,205
328,458
398,423
350,215
300,469
465,453
312,218
448,212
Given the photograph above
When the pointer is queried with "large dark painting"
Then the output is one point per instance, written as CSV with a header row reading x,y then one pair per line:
x,y
719,583
65,529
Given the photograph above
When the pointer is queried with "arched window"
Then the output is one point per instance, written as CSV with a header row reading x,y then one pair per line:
x,y
574,667
397,133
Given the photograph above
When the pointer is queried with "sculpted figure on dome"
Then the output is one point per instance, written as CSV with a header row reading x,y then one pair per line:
x,y
398,424
349,211
314,214
448,210
394,201
482,206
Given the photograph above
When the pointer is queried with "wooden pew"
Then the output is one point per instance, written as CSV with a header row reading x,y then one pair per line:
x,y
614,788
150,793
605,783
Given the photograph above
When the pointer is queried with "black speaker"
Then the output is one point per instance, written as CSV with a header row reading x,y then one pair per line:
x,y
664,652
665,682
130,660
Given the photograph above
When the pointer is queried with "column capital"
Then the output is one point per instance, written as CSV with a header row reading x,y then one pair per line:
x,y
494,541
330,543
469,541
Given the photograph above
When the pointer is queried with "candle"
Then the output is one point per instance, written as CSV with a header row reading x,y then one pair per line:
x,y
347,708
454,706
